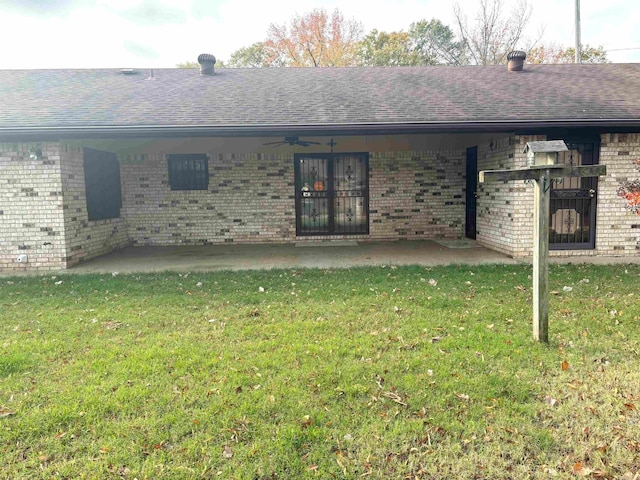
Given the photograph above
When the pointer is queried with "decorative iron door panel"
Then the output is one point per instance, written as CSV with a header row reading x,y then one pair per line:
x,y
572,222
332,194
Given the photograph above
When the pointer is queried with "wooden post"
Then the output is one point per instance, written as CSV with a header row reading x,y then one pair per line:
x,y
540,257
542,173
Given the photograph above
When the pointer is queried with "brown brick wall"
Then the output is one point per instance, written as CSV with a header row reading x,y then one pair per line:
x,y
417,195
505,209
251,199
85,239
31,207
618,228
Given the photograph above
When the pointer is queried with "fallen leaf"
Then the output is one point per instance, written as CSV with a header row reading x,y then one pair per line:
x,y
462,396
630,406
550,400
5,412
553,292
567,289
60,434
104,450
395,397
432,282
565,365
227,453
261,289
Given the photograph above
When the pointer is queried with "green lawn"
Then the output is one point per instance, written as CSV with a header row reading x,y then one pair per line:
x,y
406,372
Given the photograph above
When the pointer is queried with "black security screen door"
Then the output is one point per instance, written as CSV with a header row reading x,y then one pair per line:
x,y
471,193
572,222
332,194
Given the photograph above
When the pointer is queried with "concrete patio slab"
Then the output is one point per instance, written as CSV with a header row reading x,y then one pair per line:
x,y
255,257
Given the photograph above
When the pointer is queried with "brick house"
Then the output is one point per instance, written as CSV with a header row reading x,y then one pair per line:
x,y
95,160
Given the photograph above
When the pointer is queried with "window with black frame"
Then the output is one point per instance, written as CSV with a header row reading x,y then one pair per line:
x,y
188,171
102,184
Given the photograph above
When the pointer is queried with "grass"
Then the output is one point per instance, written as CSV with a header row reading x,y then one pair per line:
x,y
406,372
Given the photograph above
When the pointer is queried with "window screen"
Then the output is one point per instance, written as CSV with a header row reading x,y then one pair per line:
x,y
102,184
188,172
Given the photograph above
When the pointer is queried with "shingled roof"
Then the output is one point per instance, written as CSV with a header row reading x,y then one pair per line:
x,y
320,98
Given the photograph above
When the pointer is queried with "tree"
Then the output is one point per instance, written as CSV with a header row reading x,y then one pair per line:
x,y
434,43
555,54
387,49
188,64
426,43
253,56
493,34
315,40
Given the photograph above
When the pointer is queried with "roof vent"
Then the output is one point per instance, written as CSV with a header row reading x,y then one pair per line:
x,y
206,61
516,60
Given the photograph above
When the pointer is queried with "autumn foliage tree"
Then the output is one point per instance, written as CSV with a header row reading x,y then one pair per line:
x,y
315,39
555,54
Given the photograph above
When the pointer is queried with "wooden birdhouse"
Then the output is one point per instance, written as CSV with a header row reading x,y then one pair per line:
x,y
544,153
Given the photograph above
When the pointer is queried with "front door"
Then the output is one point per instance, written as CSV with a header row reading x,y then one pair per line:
x,y
572,222
332,194
472,189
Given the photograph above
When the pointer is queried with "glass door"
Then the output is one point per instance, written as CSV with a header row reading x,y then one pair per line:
x,y
332,194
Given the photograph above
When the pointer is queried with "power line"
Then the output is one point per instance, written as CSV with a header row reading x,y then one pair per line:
x,y
621,49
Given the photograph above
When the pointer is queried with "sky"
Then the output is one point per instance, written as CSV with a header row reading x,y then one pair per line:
x,y
163,33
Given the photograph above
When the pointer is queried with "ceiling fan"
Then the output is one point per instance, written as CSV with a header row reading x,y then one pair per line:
x,y
292,141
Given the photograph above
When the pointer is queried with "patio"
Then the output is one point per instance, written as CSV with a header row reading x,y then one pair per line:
x,y
328,254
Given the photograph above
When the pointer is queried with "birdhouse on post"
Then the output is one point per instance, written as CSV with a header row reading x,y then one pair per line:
x,y
542,168
544,153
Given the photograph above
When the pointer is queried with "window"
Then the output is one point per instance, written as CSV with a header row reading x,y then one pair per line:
x,y
102,184
188,172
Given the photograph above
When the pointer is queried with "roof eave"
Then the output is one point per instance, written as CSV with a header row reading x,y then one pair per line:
x,y
111,131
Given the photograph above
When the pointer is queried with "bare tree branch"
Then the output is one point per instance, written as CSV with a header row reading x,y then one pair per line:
x,y
494,33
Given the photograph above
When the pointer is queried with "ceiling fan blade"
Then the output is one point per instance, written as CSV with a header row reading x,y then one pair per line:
x,y
311,143
274,143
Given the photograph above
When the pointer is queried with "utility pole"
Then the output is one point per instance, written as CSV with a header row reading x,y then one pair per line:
x,y
578,43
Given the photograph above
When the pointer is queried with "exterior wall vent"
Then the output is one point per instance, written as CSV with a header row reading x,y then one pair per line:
x,y
516,60
206,61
